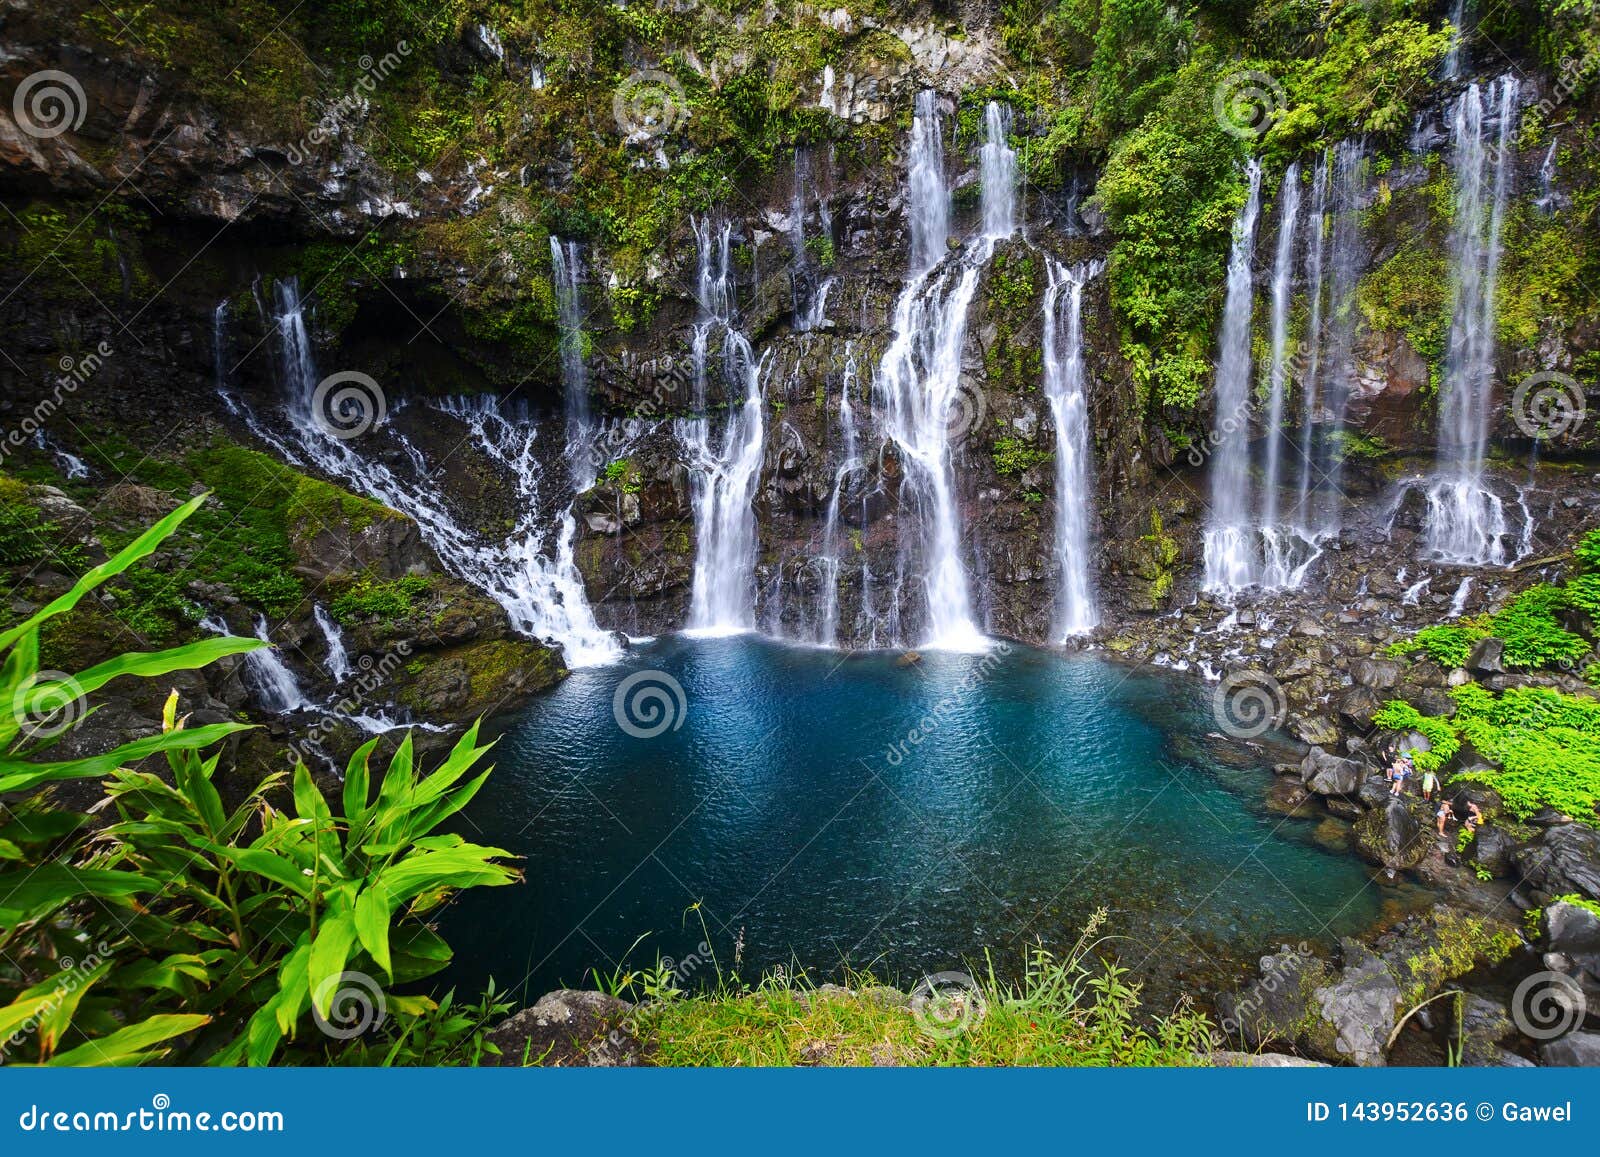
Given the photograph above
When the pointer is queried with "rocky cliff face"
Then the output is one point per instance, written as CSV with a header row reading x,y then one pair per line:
x,y
164,199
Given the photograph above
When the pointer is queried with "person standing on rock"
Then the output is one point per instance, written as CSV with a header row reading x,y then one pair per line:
x,y
1398,772
1443,815
1430,784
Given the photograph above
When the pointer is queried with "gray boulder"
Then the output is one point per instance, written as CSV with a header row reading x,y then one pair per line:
x,y
570,1029
1378,674
1564,860
1331,775
1571,930
1361,1007
1573,1050
1358,705
1488,657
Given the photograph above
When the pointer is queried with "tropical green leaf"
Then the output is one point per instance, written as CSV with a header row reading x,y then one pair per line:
x,y
132,1045
21,775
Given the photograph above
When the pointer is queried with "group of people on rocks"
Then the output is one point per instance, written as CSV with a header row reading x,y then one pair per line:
x,y
1465,810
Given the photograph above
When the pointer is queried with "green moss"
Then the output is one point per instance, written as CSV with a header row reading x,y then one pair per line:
x,y
385,600
1014,457
1461,942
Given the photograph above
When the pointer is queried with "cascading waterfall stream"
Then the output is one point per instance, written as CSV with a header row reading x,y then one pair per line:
x,y
1065,385
1316,248
566,263
339,666
1338,360
1278,542
1466,521
543,597
918,384
727,470
1231,563
997,170
832,561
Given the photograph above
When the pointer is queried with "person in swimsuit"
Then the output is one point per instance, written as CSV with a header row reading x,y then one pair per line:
x,y
1430,784
1443,814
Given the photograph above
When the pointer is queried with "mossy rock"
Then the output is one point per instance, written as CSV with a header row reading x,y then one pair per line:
x,y
461,683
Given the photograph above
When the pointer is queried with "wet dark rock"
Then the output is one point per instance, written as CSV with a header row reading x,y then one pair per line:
x,y
570,1029
1570,929
1328,774
1358,705
1493,848
1391,836
1485,1028
1574,1049
1566,859
1360,1007
1488,657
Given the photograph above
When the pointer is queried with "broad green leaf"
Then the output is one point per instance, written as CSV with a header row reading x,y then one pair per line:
x,y
330,951
357,785
132,1045
372,915
20,775
27,895
268,864
139,548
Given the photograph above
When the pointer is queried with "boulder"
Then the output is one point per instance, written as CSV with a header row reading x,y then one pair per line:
x,y
1378,674
570,1029
1565,860
1391,836
1316,730
1361,1006
1488,657
1572,1050
1571,929
1308,628
1330,774
1358,705
1494,848
1374,791
1233,1060
1485,1027
1277,1005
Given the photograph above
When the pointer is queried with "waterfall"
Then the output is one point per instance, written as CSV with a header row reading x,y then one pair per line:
x,y
269,680
1278,367
998,173
1458,601
1230,554
1458,22
566,264
543,597
339,666
1548,200
850,463
1065,384
1338,361
1316,245
727,469
919,388
1466,520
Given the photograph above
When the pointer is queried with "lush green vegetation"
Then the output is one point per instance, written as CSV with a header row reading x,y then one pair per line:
x,y
177,926
370,598
1071,1009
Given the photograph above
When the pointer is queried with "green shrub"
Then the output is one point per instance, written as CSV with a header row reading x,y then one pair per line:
x,y
388,600
1449,645
1398,715
1546,743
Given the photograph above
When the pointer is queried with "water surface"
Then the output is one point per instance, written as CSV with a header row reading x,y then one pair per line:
x,y
823,808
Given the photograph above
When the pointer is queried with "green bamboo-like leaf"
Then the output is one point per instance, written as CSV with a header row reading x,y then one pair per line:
x,y
152,664
373,912
330,951
132,1045
21,775
26,895
357,786
139,548
270,865
57,1018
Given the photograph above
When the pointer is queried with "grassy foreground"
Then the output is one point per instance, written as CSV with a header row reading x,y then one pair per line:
x,y
1065,1010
